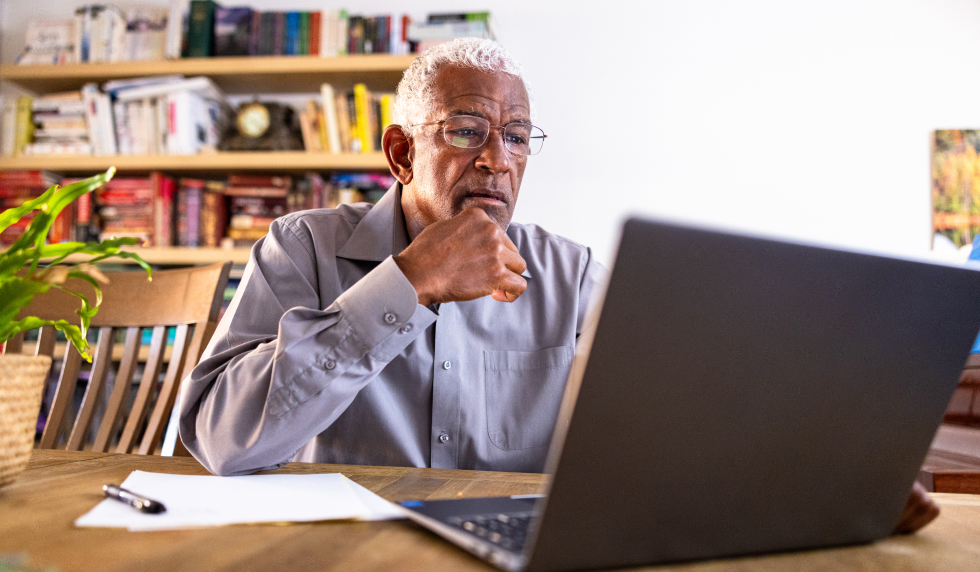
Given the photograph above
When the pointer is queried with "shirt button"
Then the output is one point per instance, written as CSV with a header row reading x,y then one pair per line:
x,y
390,318
443,438
329,364
407,328
447,364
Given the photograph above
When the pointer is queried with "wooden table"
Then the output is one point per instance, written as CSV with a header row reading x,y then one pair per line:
x,y
38,509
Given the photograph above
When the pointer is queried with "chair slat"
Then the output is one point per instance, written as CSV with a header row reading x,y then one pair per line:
x,y
154,363
168,392
14,345
120,391
101,364
188,298
45,341
64,395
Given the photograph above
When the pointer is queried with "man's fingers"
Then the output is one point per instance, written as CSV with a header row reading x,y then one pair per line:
x,y
510,289
509,243
514,262
919,511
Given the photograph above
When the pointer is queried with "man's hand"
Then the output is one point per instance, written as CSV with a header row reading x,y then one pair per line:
x,y
919,511
463,258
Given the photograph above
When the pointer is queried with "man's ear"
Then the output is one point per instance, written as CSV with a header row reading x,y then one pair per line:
x,y
398,150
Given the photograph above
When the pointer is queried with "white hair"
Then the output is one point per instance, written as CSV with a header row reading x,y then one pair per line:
x,y
414,97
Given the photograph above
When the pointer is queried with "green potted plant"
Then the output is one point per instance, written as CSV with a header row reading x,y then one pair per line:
x,y
22,276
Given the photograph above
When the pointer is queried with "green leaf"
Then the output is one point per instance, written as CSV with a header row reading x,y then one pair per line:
x,y
72,333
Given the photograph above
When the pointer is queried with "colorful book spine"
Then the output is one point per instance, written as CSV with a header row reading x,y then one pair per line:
x,y
200,30
292,34
362,107
24,127
304,34
314,33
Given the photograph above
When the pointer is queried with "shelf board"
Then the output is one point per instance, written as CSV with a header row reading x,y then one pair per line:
x,y
272,161
275,74
178,256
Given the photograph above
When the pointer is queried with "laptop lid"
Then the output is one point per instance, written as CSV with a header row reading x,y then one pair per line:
x,y
745,395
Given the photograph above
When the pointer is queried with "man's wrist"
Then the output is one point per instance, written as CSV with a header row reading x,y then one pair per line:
x,y
409,271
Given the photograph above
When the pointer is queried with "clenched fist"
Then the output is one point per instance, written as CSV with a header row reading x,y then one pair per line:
x,y
463,258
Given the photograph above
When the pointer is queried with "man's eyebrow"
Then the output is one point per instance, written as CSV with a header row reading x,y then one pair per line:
x,y
472,113
467,112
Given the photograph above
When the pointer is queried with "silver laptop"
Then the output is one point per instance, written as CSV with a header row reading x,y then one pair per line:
x,y
740,396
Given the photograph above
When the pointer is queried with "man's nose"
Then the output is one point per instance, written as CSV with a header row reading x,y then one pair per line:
x,y
494,155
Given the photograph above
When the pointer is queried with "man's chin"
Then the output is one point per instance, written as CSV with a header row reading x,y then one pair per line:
x,y
496,210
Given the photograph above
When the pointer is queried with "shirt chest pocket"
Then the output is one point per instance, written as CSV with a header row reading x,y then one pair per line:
x,y
524,391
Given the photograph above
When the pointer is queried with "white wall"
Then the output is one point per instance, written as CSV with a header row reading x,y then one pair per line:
x,y
809,120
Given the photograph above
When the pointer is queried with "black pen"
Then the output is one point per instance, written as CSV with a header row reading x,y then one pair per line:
x,y
141,504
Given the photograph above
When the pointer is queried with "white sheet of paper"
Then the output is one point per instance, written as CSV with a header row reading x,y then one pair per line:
x,y
378,508
196,501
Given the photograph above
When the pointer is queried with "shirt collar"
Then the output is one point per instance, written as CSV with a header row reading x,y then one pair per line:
x,y
381,233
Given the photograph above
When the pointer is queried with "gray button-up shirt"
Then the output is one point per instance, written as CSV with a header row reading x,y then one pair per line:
x,y
326,356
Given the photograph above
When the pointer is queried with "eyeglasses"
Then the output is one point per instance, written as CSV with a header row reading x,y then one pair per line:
x,y
470,132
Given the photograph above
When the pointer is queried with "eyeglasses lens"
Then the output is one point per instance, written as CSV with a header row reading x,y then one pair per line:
x,y
470,132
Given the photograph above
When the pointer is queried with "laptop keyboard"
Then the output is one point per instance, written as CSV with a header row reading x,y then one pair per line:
x,y
509,531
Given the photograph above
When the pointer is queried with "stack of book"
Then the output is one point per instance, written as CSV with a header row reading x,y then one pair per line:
x,y
439,28
100,34
242,31
59,125
168,115
253,203
18,187
126,208
350,122
200,213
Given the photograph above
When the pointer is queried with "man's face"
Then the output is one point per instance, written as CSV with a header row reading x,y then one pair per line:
x,y
448,179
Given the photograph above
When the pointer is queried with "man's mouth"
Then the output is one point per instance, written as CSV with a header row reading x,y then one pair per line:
x,y
487,196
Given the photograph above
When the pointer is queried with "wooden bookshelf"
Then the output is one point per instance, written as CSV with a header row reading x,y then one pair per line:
x,y
223,162
236,76
275,74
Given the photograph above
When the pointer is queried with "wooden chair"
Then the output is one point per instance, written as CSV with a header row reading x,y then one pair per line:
x,y
186,300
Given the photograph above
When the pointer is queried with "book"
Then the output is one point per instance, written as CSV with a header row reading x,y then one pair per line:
x,y
200,32
362,106
279,34
232,31
314,33
291,42
309,128
177,25
8,128
48,42
331,126
163,209
304,34
23,126
213,219
201,85
146,35
255,33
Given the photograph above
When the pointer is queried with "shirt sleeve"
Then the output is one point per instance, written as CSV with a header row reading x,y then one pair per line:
x,y
279,369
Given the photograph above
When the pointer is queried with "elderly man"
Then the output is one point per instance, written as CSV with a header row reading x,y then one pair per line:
x,y
427,330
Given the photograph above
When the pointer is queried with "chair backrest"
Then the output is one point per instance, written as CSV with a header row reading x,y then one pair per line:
x,y
185,301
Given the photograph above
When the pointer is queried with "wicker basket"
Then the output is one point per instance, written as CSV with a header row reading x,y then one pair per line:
x,y
21,388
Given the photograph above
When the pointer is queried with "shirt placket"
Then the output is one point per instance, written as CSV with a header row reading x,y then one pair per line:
x,y
444,435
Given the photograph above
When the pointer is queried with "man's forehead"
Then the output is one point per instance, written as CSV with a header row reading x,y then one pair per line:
x,y
474,91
